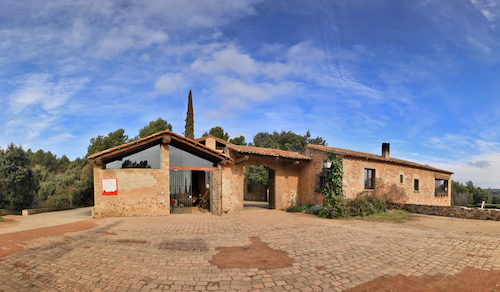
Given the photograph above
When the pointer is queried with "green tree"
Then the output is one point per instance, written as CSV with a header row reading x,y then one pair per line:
x,y
101,143
238,141
217,132
257,174
69,189
18,184
460,194
286,140
189,132
153,127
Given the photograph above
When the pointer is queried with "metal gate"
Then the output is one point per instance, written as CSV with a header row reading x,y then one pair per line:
x,y
181,199
216,192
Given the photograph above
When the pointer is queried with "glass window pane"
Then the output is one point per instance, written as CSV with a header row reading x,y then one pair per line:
x,y
180,157
147,158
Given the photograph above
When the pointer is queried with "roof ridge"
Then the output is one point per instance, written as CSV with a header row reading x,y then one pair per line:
x,y
152,136
355,153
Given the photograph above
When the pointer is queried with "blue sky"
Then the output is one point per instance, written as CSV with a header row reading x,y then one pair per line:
x,y
421,75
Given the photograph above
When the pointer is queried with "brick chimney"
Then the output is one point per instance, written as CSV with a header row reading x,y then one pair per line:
x,y
385,150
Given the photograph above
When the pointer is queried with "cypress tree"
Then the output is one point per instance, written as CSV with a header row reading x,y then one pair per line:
x,y
189,132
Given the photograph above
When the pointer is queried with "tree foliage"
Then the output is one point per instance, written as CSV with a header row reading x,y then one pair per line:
x,y
238,141
18,184
189,130
101,143
469,194
71,188
286,140
257,175
217,132
47,160
153,127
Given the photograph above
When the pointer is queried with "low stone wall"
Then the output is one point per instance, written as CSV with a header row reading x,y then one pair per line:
x,y
449,211
27,212
4,212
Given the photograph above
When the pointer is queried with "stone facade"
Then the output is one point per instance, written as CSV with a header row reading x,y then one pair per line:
x,y
146,191
389,173
258,192
286,183
141,192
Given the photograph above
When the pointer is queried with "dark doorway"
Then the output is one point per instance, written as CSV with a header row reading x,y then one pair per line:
x,y
194,191
272,196
259,187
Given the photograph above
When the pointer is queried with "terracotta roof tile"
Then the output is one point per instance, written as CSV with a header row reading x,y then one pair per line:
x,y
268,152
351,153
158,136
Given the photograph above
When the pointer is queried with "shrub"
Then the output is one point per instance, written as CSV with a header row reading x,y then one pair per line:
x,y
364,205
297,208
314,210
334,207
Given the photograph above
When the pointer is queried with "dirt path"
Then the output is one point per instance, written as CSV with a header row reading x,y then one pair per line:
x,y
454,224
15,223
13,242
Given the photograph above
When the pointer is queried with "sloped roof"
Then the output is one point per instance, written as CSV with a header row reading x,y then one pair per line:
x,y
370,156
215,138
143,141
267,152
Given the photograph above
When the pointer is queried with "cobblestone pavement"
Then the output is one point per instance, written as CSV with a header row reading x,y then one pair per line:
x,y
181,253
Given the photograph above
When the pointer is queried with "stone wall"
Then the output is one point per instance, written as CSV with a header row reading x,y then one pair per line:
x,y
141,192
389,173
258,193
4,212
286,182
450,211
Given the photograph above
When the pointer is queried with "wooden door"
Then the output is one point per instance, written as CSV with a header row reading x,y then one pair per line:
x,y
272,194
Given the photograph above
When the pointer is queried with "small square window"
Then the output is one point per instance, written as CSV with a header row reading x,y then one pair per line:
x,y
441,187
369,178
416,186
322,182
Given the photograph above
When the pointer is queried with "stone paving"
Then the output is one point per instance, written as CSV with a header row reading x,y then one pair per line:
x,y
175,253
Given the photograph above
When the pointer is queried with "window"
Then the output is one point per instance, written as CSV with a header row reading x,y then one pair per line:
x,y
401,178
320,182
145,158
181,157
369,178
416,187
249,188
441,187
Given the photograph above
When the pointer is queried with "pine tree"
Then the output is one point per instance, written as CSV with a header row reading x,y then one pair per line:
x,y
189,133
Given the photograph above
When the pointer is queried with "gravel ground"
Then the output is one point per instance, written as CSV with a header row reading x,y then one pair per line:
x,y
45,219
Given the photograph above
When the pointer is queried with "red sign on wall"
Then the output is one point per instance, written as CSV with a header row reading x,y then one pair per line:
x,y
109,186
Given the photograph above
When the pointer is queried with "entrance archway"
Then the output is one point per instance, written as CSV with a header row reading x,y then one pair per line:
x,y
259,187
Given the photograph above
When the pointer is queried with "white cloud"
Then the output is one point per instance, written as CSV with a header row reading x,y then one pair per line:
x,y
482,169
227,60
169,83
41,88
490,9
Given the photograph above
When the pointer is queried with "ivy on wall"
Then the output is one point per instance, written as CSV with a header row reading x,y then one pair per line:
x,y
333,177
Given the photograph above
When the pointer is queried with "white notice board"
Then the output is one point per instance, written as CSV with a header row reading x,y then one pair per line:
x,y
109,186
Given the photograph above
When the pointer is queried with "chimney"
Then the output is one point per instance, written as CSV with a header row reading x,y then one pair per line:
x,y
385,150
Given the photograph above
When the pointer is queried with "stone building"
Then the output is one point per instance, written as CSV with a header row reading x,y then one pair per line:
x,y
422,184
167,173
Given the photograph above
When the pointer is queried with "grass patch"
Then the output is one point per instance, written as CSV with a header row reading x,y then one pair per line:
x,y
299,208
397,216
